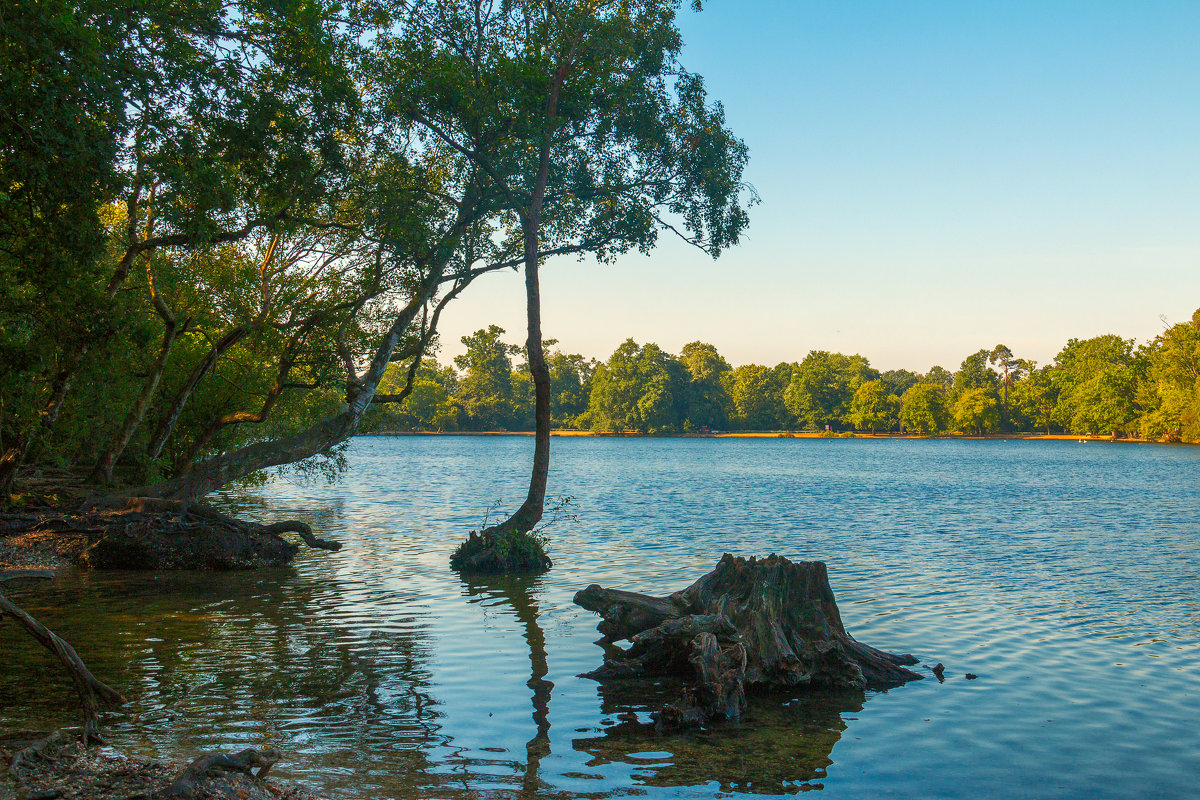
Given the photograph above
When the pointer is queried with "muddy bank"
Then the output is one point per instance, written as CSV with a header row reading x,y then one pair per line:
x,y
149,534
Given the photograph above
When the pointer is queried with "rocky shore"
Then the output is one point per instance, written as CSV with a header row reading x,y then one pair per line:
x,y
60,768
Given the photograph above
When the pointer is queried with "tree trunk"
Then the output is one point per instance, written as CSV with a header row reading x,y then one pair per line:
x,y
750,623
530,512
167,425
103,471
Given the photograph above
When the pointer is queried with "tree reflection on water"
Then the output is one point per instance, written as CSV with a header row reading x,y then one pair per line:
x,y
519,592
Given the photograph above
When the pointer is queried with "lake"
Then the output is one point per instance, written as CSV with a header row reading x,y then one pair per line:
x,y
1065,575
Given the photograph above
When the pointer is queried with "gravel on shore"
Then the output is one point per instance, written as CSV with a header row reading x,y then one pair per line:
x,y
64,770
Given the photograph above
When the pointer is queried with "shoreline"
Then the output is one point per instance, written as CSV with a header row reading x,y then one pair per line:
x,y
59,766
567,433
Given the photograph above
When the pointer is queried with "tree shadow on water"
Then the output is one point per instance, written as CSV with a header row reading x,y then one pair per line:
x,y
780,746
519,592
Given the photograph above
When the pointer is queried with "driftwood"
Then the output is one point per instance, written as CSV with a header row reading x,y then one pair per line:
x,y
152,533
92,692
198,778
750,623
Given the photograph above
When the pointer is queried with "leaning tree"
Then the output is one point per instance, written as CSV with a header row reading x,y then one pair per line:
x,y
126,130
248,237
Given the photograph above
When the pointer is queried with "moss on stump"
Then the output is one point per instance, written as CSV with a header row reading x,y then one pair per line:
x,y
501,553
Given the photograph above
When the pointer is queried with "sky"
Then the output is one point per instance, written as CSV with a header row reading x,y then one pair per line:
x,y
935,177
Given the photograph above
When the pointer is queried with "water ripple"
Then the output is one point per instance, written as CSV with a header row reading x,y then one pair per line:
x,y
1064,577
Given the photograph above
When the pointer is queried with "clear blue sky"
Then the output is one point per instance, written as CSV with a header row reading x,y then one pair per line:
x,y
936,177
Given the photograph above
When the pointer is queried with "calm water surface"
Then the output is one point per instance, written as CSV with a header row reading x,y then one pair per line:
x,y
1065,575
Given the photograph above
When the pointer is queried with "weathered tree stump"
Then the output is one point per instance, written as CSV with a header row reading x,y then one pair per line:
x,y
750,623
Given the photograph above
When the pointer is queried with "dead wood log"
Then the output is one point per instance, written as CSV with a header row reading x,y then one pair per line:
x,y
765,623
91,691
203,770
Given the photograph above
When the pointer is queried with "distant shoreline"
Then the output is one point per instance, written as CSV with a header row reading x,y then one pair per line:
x,y
1064,437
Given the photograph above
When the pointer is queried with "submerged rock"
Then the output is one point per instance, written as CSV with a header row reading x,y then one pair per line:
x,y
765,623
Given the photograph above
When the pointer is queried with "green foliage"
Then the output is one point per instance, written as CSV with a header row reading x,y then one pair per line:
x,y
1170,395
975,411
756,394
571,378
638,389
874,407
976,374
939,376
898,381
823,386
1095,381
1107,386
1034,399
923,409
486,389
706,400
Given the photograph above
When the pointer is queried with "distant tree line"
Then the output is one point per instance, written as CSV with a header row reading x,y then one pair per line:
x,y
1104,385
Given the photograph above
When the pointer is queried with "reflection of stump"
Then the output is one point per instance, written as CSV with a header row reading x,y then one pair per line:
x,y
765,623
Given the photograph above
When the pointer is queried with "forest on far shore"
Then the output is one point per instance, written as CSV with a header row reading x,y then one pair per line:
x,y
1103,385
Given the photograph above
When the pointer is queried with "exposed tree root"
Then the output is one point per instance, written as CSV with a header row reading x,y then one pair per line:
x,y
490,553
217,766
153,533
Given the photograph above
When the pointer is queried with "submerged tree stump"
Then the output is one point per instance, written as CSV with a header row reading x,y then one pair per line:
x,y
765,623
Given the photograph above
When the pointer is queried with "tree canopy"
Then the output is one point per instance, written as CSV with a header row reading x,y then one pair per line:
x,y
224,225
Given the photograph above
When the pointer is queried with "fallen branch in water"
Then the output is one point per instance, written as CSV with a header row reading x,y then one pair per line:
x,y
90,689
